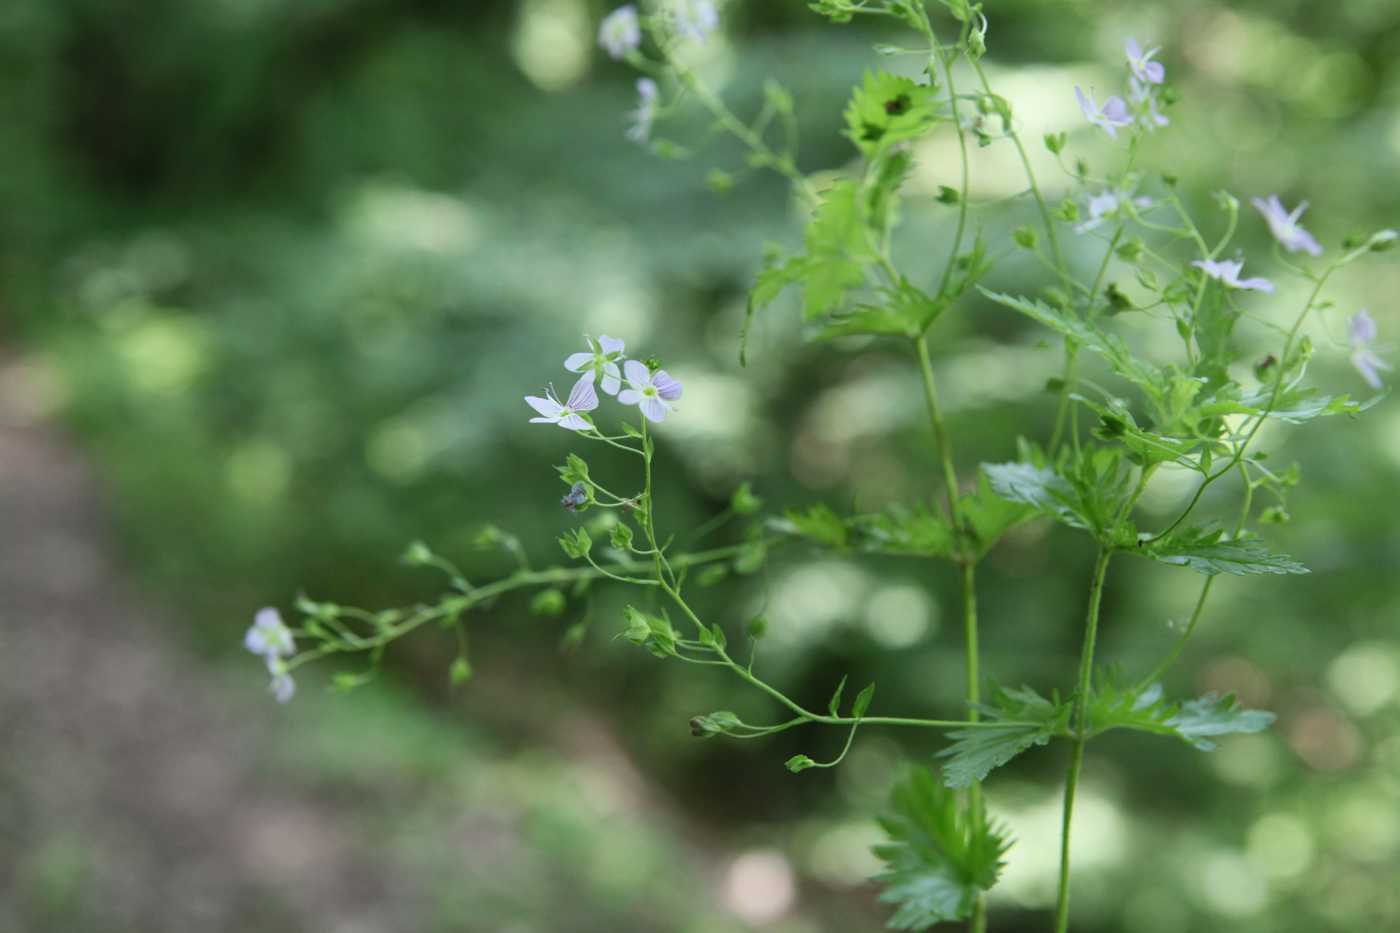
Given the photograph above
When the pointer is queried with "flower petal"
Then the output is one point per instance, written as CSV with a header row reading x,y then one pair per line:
x,y
667,387
582,396
653,408
629,396
637,373
574,423
545,406
578,362
610,345
1256,285
1362,329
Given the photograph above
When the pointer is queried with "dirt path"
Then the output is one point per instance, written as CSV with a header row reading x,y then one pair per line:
x,y
131,797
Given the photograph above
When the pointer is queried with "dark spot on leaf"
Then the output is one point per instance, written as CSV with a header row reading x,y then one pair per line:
x,y
898,105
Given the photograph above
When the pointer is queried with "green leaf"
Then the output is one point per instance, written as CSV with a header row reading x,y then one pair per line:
x,y
888,109
573,470
576,543
1205,550
620,536
862,702
1039,487
916,532
904,311
799,763
882,189
651,632
837,248
744,502
938,857
818,523
1022,717
1211,715
989,516
1112,348
1143,709
834,706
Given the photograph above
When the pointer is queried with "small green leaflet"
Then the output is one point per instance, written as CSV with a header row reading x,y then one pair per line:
x,y
887,109
937,859
916,532
1039,487
1116,707
989,516
1023,719
817,523
1205,550
1112,348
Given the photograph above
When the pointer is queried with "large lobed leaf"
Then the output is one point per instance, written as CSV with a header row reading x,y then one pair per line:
x,y
938,858
1020,719
1113,706
1205,549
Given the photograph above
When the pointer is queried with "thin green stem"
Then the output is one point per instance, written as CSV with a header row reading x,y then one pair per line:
x,y
1081,716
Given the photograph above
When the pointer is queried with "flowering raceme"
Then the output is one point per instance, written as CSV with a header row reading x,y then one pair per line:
x,y
620,32
652,392
1284,226
1111,117
645,114
599,362
582,398
1362,330
1227,272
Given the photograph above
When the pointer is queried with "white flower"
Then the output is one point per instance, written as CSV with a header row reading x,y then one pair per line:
x,y
269,636
1227,271
1107,204
1284,226
599,363
1142,65
582,398
695,19
281,686
1363,333
620,32
1113,115
645,114
651,392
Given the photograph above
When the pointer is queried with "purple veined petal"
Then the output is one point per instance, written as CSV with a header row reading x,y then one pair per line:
x,y
545,406
1362,328
578,362
610,345
666,387
629,396
1367,363
1086,104
583,397
574,423
637,373
653,408
1115,111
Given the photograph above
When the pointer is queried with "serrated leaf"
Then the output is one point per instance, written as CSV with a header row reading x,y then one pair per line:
x,y
888,109
799,763
837,247
1211,715
862,703
1112,348
1039,487
938,858
989,516
819,524
916,532
1021,718
1205,550
1143,709
834,706
903,311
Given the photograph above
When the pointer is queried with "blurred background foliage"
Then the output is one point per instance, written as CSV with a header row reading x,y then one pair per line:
x,y
289,269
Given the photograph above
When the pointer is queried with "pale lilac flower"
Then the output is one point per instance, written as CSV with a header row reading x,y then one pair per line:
x,y
1107,204
695,19
599,363
281,686
566,414
1363,333
576,497
269,636
620,32
1112,116
1142,65
1145,99
1284,226
651,391
645,114
1227,271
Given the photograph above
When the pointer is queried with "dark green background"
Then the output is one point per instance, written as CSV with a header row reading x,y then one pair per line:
x,y
289,269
